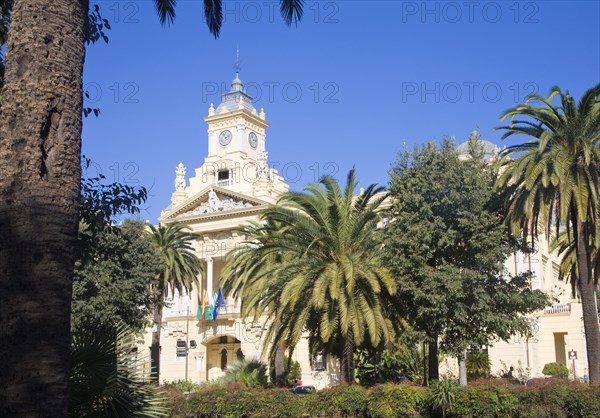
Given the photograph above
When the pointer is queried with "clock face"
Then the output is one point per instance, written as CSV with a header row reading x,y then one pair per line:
x,y
225,138
253,140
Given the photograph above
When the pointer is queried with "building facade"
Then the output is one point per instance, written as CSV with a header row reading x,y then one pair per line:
x,y
228,190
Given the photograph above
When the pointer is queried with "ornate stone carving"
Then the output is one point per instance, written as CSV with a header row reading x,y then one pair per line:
x,y
214,204
262,167
180,177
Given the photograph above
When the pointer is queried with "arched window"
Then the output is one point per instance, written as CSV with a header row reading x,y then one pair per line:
x,y
223,359
239,354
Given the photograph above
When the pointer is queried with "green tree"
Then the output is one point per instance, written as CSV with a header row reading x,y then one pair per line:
x,y
553,182
446,245
40,150
113,283
179,271
331,278
105,380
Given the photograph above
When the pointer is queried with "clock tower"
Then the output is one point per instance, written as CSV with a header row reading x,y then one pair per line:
x,y
237,157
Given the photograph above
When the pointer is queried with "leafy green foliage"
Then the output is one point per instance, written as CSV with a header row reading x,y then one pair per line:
x,y
292,371
180,266
105,380
316,265
291,11
250,373
442,395
446,245
114,281
555,369
185,386
478,365
101,202
553,182
482,399
394,364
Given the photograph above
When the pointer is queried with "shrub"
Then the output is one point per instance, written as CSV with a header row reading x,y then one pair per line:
x,y
555,369
486,398
441,396
478,365
391,400
345,401
251,373
185,386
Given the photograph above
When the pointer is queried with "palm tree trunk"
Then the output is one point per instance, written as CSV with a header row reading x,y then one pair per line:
x,y
587,291
347,358
40,170
155,347
279,363
434,367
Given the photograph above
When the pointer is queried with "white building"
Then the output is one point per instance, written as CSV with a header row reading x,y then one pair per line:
x,y
231,187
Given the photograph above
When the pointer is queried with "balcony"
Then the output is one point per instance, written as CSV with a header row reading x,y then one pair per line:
x,y
558,308
223,183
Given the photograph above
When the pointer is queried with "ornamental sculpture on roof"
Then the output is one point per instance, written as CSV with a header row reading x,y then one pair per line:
x,y
180,177
214,204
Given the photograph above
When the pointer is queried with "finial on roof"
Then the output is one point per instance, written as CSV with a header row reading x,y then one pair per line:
x,y
211,109
262,113
237,62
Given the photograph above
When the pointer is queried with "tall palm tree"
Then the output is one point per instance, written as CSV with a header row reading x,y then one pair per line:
x,y
180,271
554,181
330,279
242,273
40,157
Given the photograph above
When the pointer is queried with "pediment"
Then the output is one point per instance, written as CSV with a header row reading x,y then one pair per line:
x,y
213,201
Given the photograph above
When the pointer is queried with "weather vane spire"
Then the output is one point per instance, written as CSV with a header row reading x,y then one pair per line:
x,y
237,61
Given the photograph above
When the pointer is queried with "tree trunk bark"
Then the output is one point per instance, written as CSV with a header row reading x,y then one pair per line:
x,y
462,368
155,347
434,367
279,363
347,358
40,171
587,291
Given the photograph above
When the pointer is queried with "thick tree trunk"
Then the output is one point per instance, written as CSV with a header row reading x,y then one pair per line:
x,y
279,365
155,347
40,145
462,368
587,292
347,358
434,367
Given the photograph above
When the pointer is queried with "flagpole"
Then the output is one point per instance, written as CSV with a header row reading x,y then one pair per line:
x,y
187,336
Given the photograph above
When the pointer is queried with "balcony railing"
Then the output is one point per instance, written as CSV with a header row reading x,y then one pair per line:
x,y
223,183
558,308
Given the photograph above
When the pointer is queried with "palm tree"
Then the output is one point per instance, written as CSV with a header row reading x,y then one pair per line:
x,y
330,279
105,378
180,271
553,181
40,167
241,275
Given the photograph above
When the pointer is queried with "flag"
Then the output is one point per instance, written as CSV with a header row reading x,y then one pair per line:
x,y
219,301
204,305
208,312
199,311
215,307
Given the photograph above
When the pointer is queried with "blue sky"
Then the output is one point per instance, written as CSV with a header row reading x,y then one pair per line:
x,y
347,86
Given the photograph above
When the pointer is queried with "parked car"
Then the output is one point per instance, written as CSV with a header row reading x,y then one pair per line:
x,y
304,390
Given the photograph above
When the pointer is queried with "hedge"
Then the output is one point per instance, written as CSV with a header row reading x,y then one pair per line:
x,y
485,398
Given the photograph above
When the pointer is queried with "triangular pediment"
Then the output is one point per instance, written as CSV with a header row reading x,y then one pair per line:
x,y
211,202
